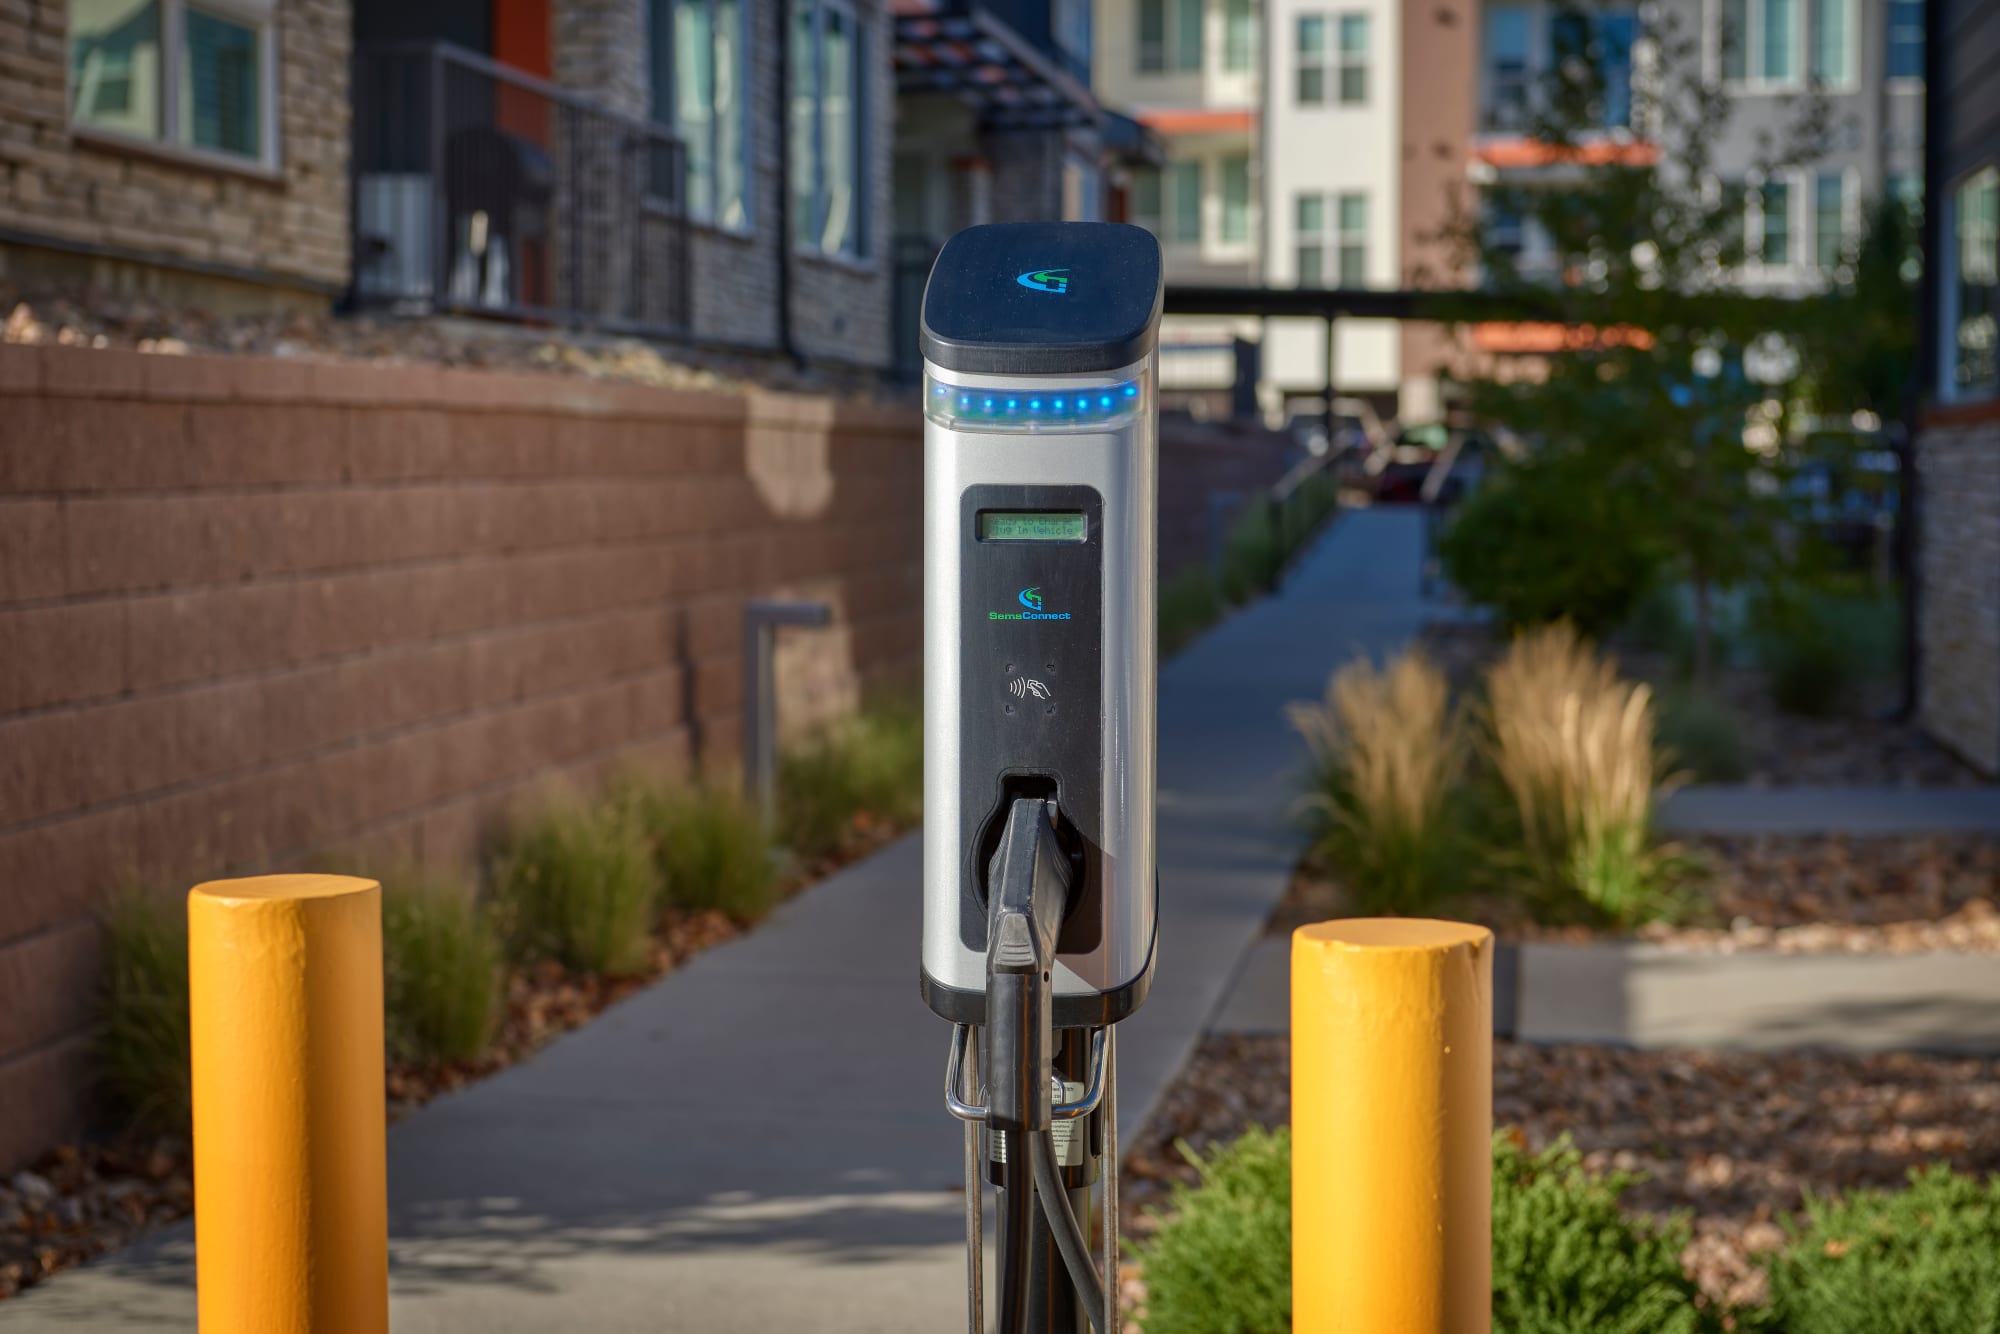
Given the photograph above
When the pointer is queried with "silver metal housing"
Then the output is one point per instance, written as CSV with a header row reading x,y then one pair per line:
x,y
1119,459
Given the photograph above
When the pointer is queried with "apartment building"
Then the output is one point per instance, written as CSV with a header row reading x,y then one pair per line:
x,y
703,170
1190,72
1863,57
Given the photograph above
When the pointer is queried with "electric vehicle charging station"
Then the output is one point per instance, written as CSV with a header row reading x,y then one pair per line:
x,y
1040,887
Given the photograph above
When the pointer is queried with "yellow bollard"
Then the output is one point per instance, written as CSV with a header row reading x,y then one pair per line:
x,y
1392,1122
290,1188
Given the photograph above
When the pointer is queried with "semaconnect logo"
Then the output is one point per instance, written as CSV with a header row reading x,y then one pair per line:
x,y
1030,598
1053,281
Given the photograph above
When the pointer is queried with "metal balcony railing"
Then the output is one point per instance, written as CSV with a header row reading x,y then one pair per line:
x,y
480,190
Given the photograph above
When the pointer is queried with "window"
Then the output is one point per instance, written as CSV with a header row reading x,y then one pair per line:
x,y
1829,219
1184,185
1346,69
1163,47
1971,328
1508,73
198,77
1906,39
1778,31
1310,221
1774,208
827,110
1786,43
698,76
1352,215
1832,42
1236,199
1146,198
1239,35
1312,60
1346,242
1353,58
1600,44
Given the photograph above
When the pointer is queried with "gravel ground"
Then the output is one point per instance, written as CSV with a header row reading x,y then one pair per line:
x,y
1861,747
1733,1140
1790,894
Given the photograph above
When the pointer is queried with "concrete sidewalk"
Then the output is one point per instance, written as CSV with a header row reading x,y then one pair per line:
x,y
759,1141
1861,811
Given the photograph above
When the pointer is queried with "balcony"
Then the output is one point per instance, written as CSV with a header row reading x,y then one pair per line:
x,y
480,190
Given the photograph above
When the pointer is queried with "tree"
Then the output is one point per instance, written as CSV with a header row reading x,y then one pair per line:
x,y
1673,385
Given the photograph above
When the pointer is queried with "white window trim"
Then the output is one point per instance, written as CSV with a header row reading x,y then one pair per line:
x,y
746,105
860,256
1795,262
262,15
1754,83
1332,237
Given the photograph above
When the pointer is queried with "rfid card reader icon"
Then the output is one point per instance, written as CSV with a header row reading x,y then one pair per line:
x,y
1022,687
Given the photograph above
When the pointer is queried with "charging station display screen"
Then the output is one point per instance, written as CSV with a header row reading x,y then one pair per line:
x,y
1021,526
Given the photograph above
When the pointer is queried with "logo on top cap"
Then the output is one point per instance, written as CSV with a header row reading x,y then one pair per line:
x,y
1045,280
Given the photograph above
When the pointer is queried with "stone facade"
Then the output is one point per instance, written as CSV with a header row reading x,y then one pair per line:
x,y
83,191
840,306
1958,607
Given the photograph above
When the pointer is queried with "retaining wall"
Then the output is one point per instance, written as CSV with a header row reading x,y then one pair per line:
x,y
250,608
254,608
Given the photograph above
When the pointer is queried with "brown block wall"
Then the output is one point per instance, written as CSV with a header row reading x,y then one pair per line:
x,y
253,608
1958,568
1200,459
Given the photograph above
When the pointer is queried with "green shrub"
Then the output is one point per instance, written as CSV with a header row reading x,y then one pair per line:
x,y
577,884
869,766
441,970
709,845
1221,1261
1914,1261
1565,1260
1701,735
1189,604
1387,752
140,1051
1546,541
1253,554
1818,648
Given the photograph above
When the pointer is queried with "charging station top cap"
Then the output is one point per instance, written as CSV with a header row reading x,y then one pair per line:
x,y
1043,298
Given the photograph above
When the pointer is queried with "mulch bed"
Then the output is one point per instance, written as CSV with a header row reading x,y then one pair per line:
x,y
80,1201
1790,894
1734,1140
1861,747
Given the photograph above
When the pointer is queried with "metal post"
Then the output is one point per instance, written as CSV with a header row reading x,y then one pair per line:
x,y
1392,1123
761,619
1332,364
291,1183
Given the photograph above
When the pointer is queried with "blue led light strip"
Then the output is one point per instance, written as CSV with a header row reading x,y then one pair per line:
x,y
1036,405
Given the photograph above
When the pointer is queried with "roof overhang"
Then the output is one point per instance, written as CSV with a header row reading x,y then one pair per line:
x,y
1007,81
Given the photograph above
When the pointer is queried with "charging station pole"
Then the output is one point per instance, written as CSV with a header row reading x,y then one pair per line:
x,y
1040,345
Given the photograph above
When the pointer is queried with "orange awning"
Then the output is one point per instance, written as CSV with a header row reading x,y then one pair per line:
x,y
1199,120
1531,338
1536,153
